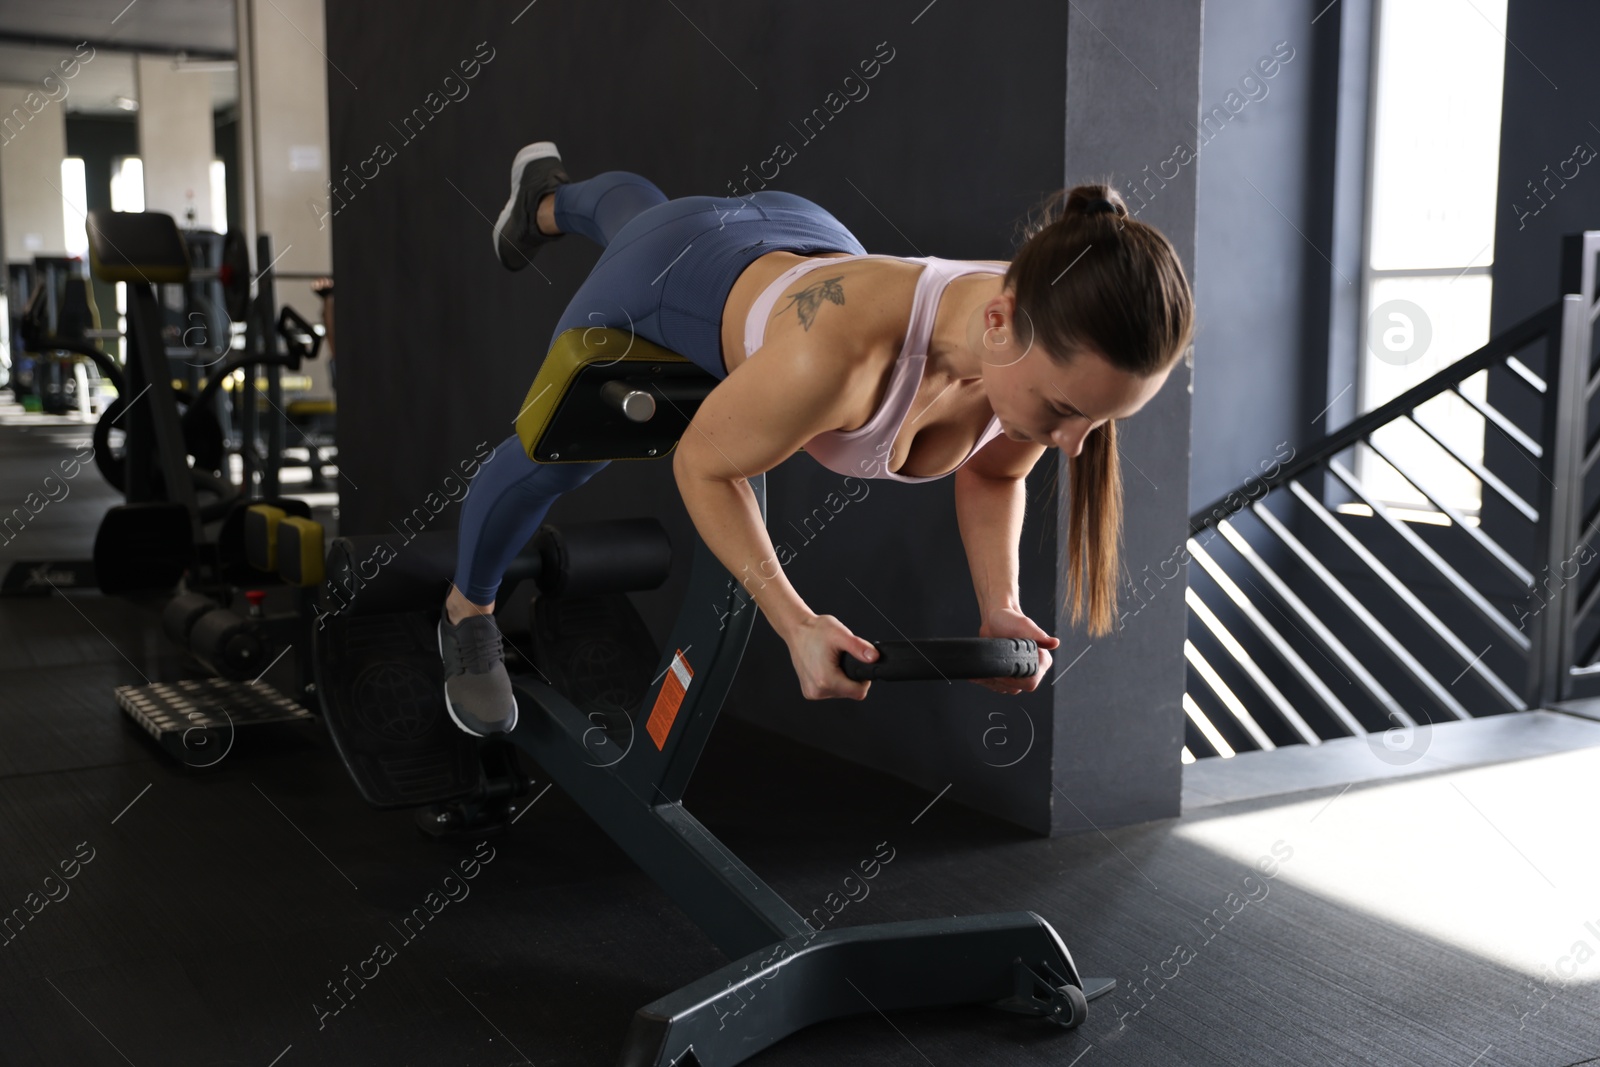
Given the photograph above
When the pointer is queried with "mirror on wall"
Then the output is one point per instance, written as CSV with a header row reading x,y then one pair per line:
x,y
140,114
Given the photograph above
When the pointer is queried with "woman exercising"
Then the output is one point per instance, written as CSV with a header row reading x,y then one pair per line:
x,y
891,367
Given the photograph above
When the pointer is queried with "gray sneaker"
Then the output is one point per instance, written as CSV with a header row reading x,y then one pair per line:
x,y
535,171
477,689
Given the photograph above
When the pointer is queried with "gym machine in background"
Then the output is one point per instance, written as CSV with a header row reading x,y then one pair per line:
x,y
59,303
267,423
203,320
229,389
173,471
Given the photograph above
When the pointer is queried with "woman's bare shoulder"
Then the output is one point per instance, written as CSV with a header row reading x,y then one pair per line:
x,y
854,315
848,323
845,308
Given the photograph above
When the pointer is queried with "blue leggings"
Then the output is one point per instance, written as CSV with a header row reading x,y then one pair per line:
x,y
666,272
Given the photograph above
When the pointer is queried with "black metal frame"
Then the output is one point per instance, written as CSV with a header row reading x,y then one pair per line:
x,y
1578,451
634,791
155,423
1562,448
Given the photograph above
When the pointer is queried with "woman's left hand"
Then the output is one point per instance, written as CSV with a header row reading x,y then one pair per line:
x,y
1009,622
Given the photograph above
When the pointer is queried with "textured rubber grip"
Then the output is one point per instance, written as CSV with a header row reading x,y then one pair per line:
x,y
947,658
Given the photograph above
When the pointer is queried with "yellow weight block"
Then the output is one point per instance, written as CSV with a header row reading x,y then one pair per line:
x,y
300,551
261,522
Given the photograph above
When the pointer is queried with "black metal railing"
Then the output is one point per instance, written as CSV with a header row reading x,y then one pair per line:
x,y
1318,610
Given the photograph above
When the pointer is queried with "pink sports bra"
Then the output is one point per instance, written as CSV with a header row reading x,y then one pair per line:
x,y
864,452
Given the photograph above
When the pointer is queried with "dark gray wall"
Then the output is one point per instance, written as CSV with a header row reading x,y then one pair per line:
x,y
1266,180
443,342
1548,127
962,133
1552,82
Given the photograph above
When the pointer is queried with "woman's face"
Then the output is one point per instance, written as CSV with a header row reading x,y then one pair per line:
x,y
1041,400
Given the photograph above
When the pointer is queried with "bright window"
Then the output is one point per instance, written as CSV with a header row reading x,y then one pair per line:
x,y
219,196
127,184
74,206
1430,239
123,350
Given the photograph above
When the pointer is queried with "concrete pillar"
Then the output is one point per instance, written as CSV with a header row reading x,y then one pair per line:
x,y
283,106
176,142
283,148
33,142
1133,92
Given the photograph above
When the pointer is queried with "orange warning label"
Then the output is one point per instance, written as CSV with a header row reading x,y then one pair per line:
x,y
669,700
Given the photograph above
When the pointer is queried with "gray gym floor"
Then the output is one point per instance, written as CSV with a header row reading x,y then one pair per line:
x,y
1412,919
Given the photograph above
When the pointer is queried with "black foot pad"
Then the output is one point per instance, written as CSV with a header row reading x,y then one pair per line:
x,y
382,691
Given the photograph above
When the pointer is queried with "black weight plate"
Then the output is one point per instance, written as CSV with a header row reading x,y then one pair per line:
x,y
940,658
234,275
112,465
142,546
203,438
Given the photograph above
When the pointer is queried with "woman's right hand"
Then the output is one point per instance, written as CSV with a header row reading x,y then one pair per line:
x,y
815,645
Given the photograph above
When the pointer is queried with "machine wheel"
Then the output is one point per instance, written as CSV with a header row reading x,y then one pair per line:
x,y
1074,1011
203,438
